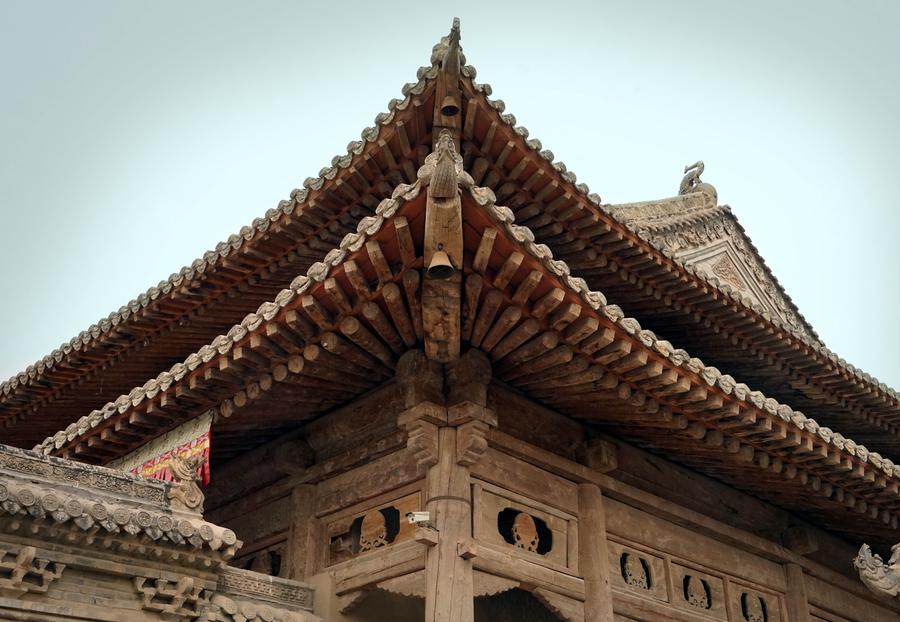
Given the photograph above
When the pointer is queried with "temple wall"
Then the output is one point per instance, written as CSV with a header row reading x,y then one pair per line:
x,y
679,546
80,542
84,594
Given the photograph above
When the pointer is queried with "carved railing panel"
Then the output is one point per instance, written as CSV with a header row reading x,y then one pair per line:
x,y
362,530
527,527
685,585
638,571
698,591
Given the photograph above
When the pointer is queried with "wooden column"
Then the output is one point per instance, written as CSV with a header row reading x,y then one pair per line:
x,y
448,577
797,603
447,421
593,555
301,544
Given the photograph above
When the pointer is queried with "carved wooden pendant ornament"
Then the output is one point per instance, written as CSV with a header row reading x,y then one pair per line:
x,y
525,532
373,532
635,571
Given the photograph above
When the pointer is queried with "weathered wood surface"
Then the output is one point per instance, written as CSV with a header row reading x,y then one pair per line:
x,y
796,596
449,587
829,598
594,555
683,305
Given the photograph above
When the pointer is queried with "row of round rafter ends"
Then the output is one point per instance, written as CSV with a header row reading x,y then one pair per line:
x,y
196,384
581,356
841,367
233,245
595,300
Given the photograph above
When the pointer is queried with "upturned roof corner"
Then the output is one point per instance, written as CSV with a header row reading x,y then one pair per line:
x,y
448,103
621,249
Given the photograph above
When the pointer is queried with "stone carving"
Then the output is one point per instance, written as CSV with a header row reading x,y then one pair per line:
x,y
181,600
185,494
525,532
22,572
697,592
725,269
28,462
373,531
722,226
882,579
753,608
691,181
635,571
72,507
237,582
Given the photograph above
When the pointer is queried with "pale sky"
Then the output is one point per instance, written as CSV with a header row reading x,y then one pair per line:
x,y
135,136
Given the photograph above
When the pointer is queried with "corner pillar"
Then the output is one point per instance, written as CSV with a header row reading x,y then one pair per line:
x,y
448,434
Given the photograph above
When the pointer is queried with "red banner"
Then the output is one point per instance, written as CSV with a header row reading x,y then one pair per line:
x,y
159,467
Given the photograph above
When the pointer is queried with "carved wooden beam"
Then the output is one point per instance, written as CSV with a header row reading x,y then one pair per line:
x,y
448,99
443,251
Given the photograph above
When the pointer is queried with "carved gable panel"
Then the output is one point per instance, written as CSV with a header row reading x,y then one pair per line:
x,y
723,251
723,261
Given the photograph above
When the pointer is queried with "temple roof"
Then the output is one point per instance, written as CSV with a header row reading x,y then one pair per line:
x,y
549,336
83,499
702,233
668,289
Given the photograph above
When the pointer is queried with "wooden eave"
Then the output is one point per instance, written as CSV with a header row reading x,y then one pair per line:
x,y
305,344
660,290
204,299
549,336
181,314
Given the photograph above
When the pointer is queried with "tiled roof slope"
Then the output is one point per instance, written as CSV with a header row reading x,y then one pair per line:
x,y
686,222
694,282
95,348
817,353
